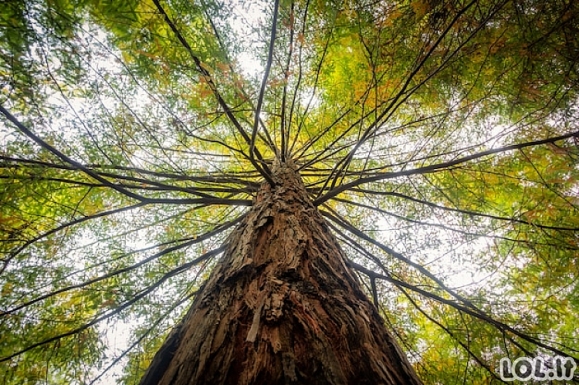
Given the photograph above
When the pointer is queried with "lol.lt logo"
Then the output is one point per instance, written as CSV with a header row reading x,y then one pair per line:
x,y
538,368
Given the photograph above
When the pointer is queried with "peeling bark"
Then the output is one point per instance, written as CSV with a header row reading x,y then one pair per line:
x,y
281,307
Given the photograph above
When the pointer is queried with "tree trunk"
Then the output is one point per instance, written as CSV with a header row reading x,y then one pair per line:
x,y
281,307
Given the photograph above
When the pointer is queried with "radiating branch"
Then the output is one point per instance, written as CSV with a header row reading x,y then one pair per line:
x,y
255,128
440,166
134,266
120,308
263,168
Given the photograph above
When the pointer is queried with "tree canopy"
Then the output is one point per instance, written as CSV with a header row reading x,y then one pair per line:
x,y
439,138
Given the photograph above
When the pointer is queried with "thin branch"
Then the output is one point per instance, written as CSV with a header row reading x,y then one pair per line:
x,y
284,127
394,102
344,224
264,171
451,334
252,149
64,226
435,167
65,158
467,310
119,309
114,273
143,336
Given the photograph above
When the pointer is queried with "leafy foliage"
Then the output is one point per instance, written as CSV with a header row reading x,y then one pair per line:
x,y
438,137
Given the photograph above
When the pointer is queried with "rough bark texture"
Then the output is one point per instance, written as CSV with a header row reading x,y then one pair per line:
x,y
281,307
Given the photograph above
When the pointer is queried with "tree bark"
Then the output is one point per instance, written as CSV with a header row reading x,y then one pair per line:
x,y
281,307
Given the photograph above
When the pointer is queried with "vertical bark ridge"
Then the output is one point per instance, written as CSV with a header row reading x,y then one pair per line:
x,y
281,307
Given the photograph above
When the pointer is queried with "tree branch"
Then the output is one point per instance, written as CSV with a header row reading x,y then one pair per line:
x,y
440,166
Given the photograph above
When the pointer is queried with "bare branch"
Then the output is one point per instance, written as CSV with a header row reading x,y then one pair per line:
x,y
264,171
120,308
440,166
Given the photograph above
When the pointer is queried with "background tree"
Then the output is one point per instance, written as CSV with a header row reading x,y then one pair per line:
x,y
438,138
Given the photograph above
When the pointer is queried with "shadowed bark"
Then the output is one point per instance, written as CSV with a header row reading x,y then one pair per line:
x,y
281,307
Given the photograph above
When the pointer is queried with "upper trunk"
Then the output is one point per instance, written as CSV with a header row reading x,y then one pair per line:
x,y
281,307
